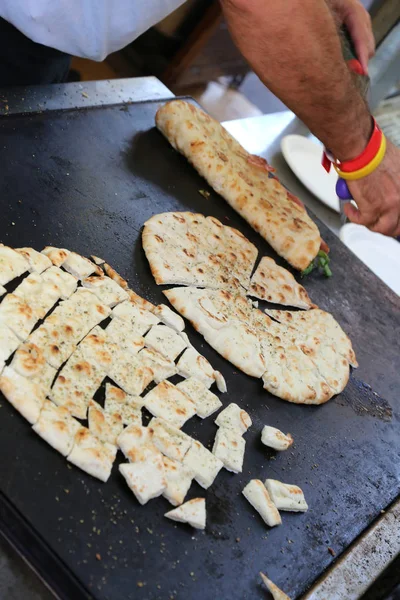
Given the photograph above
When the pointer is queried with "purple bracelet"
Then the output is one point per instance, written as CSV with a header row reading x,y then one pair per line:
x,y
342,190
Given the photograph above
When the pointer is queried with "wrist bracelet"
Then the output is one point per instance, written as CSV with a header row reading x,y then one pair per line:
x,y
368,169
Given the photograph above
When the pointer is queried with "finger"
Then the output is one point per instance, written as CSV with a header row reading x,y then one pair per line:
x,y
361,37
387,224
360,218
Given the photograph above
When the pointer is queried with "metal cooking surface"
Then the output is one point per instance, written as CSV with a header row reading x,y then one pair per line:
x,y
87,180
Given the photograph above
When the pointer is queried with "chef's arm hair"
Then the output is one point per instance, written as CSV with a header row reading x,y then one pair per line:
x,y
294,48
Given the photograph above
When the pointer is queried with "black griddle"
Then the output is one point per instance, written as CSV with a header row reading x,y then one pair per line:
x,y
87,180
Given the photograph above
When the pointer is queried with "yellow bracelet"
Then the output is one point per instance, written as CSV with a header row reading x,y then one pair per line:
x,y
368,169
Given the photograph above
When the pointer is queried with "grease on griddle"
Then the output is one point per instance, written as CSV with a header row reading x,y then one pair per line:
x,y
364,401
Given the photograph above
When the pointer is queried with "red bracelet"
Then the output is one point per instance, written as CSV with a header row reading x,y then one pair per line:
x,y
366,156
363,159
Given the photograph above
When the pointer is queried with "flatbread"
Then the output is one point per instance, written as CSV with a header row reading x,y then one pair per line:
x,y
171,442
37,261
136,443
166,341
104,425
128,371
117,402
18,315
91,455
220,381
145,479
161,367
29,361
273,589
302,357
8,342
286,496
234,418
191,249
256,493
192,512
57,255
203,463
277,285
76,383
274,438
65,282
169,403
169,317
38,294
127,339
139,319
25,395
106,290
243,180
56,427
205,401
322,324
193,364
12,264
179,480
229,446
2,290
133,296
79,266
233,339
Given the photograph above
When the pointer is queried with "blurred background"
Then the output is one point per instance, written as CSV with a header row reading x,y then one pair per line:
x,y
191,51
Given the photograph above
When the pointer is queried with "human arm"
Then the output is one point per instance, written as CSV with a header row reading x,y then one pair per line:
x,y
295,49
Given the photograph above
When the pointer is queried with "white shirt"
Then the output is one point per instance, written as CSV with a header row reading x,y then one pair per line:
x,y
88,28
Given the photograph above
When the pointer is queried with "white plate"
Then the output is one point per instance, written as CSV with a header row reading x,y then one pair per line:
x,y
304,158
380,253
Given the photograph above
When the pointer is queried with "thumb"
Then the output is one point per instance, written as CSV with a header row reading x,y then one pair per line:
x,y
352,213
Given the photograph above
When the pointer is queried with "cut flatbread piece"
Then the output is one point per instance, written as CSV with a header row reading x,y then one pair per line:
x,y
136,443
79,266
145,479
56,427
169,403
321,324
119,403
259,498
235,418
106,290
274,438
286,496
203,463
138,319
8,342
38,294
205,401
171,442
25,395
127,339
105,426
169,317
218,315
2,290
220,381
191,249
128,371
166,341
18,315
91,455
193,364
57,255
37,261
29,361
273,589
76,383
65,282
243,180
229,446
97,261
12,264
161,367
192,512
277,285
179,480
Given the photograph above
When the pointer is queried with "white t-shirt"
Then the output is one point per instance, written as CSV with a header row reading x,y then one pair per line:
x,y
87,28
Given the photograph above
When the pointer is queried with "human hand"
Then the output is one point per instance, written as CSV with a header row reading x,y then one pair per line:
x,y
358,21
378,196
